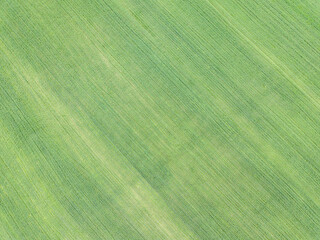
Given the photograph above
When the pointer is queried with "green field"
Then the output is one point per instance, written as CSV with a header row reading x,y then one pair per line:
x,y
158,119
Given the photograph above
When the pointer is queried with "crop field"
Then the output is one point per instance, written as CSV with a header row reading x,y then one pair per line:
x,y
158,119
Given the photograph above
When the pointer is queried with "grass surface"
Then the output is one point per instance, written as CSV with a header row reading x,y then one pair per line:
x,y
158,119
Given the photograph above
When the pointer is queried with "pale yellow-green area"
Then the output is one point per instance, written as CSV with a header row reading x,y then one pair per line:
x,y
159,119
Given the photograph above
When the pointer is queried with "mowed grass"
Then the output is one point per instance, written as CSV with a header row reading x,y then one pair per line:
x,y
158,119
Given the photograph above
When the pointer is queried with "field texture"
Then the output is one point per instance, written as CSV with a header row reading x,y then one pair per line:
x,y
158,119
